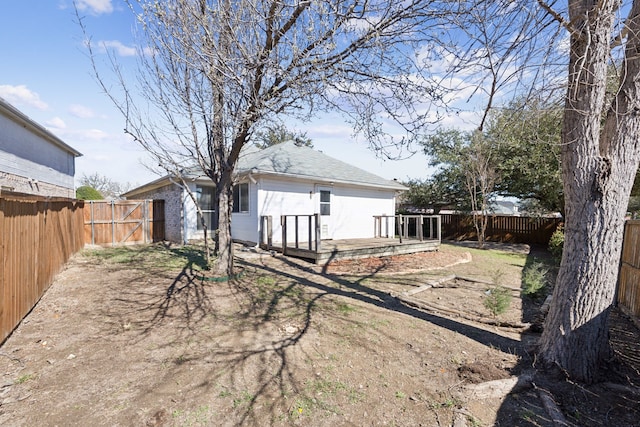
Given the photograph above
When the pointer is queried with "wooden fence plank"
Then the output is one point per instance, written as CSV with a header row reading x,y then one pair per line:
x,y
629,276
37,236
501,228
123,222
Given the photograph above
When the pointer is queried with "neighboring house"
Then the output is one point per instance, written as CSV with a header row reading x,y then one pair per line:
x,y
32,159
281,180
504,207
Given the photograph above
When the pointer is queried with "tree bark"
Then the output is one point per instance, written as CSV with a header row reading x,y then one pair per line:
x,y
598,167
224,240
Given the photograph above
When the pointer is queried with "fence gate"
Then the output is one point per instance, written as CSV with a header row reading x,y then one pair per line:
x,y
123,222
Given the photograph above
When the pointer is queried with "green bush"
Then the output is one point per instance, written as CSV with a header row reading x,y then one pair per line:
x,y
534,280
88,193
556,243
497,300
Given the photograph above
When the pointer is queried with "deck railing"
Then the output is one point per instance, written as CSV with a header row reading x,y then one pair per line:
x,y
295,226
420,227
303,231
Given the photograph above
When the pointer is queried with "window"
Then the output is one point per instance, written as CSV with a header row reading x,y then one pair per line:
x,y
206,198
325,202
241,197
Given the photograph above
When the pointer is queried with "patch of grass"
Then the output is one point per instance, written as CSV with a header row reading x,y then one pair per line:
x,y
156,256
346,309
400,395
473,421
265,281
498,300
243,398
202,415
321,386
534,280
24,378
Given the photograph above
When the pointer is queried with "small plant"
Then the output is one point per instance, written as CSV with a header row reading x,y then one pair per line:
x,y
534,280
497,300
24,378
496,277
400,395
556,243
243,398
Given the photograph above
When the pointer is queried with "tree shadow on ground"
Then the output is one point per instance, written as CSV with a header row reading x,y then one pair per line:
x,y
615,400
275,307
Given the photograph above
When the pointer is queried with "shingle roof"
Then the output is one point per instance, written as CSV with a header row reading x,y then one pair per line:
x,y
289,159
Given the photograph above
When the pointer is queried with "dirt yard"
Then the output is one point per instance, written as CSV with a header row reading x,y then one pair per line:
x,y
139,337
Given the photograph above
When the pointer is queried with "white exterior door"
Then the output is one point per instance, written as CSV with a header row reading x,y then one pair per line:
x,y
325,199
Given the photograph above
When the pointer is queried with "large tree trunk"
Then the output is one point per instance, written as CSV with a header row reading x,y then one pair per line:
x,y
224,240
598,167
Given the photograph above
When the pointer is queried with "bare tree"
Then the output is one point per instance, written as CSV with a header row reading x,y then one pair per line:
x,y
467,162
109,188
211,72
480,179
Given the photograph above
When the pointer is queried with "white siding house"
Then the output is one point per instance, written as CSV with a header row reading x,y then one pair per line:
x,y
283,180
32,159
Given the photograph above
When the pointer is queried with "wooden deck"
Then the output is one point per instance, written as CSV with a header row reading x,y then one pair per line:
x,y
357,248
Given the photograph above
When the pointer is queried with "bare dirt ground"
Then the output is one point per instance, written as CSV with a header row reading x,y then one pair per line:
x,y
137,337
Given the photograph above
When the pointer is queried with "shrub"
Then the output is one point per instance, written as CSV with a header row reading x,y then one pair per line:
x,y
88,193
556,243
534,279
498,300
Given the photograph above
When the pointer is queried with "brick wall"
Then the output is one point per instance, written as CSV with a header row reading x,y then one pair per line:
x,y
173,210
20,184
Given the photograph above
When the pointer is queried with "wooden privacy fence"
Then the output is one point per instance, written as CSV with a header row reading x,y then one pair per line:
x,y
123,222
501,228
629,277
37,236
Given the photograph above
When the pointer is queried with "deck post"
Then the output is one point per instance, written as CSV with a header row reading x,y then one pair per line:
x,y
420,221
439,228
377,227
405,229
296,224
399,217
283,223
317,216
310,230
386,226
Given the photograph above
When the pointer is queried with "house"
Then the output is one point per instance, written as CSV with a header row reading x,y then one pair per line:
x,y
32,159
284,179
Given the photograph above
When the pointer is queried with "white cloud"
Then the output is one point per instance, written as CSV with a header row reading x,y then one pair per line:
x,y
56,123
21,95
117,46
95,6
81,111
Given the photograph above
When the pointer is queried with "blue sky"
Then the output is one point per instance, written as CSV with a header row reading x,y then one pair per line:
x,y
46,74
